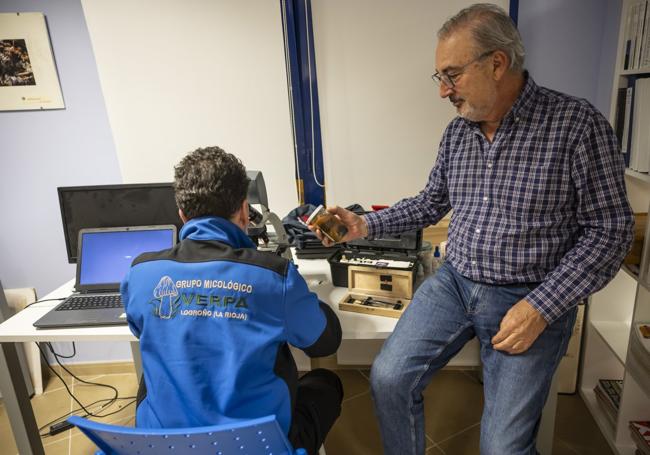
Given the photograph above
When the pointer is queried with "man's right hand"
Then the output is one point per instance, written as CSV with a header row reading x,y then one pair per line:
x,y
357,227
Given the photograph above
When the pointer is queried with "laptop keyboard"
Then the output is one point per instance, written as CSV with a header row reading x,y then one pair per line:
x,y
91,302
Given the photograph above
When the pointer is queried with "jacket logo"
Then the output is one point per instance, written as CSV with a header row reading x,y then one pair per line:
x,y
165,299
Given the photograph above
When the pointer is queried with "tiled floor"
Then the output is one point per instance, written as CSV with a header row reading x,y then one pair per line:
x,y
453,410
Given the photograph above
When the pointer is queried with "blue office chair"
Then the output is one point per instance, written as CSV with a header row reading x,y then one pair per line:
x,y
261,436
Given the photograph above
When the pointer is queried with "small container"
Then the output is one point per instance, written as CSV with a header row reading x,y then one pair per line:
x,y
437,260
329,225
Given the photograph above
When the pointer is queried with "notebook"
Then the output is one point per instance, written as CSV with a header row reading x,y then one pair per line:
x,y
105,256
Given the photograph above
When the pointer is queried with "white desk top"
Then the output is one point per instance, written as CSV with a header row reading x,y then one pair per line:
x,y
19,327
315,271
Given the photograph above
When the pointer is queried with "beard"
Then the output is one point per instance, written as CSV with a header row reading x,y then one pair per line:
x,y
475,112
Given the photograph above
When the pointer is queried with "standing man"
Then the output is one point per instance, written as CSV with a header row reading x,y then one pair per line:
x,y
214,317
540,221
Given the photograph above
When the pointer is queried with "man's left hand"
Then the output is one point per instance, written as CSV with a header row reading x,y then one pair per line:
x,y
519,329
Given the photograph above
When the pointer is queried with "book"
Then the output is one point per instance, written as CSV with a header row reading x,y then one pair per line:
x,y
635,25
627,43
638,358
608,396
639,32
613,388
643,336
640,431
644,329
645,39
626,138
640,145
619,116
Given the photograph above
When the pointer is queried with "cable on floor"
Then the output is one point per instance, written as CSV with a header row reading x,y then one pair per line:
x,y
57,425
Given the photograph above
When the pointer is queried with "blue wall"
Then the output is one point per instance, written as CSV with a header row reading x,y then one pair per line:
x,y
571,46
44,149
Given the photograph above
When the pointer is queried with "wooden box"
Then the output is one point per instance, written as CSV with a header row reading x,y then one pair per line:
x,y
382,292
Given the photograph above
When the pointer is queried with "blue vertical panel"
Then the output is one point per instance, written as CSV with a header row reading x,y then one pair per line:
x,y
293,86
514,10
303,99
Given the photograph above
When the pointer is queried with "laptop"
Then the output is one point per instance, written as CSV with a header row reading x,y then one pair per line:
x,y
105,256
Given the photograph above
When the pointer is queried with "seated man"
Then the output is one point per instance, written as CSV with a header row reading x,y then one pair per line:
x,y
215,317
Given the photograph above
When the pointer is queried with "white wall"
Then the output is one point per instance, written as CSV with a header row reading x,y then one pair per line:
x,y
177,75
381,115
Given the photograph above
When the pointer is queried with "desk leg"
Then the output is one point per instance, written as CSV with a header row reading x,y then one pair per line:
x,y
20,350
16,398
547,423
137,358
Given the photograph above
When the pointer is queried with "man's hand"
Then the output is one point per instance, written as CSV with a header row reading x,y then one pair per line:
x,y
357,227
519,329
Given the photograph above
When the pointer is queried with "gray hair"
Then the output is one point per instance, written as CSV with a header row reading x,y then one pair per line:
x,y
492,29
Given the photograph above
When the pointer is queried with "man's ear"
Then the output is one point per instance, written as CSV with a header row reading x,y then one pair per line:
x,y
240,217
500,63
181,214
244,213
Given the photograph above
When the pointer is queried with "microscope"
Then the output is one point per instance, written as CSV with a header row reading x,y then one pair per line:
x,y
275,241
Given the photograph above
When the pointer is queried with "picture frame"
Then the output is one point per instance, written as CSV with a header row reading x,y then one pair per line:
x,y
28,76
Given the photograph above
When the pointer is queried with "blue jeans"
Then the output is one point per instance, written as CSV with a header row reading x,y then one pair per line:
x,y
447,311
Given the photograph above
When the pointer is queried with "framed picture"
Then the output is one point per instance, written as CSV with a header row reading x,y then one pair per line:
x,y
28,78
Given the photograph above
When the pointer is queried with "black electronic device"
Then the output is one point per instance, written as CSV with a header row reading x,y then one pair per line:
x,y
102,206
397,252
105,257
257,189
276,242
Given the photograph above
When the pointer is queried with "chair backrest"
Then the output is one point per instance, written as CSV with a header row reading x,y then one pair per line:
x,y
261,436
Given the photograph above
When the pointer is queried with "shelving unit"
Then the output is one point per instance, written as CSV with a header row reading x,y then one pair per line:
x,y
614,312
615,335
612,315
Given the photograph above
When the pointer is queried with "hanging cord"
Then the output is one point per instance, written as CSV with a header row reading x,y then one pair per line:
x,y
64,416
44,300
56,357
287,62
311,102
109,401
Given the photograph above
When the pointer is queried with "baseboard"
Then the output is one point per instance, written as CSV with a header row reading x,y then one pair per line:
x,y
98,368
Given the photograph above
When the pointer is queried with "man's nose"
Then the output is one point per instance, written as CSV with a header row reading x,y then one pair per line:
x,y
445,91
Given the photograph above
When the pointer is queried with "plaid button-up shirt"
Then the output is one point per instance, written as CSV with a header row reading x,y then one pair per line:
x,y
544,202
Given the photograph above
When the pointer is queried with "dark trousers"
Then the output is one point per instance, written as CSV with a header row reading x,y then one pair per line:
x,y
317,406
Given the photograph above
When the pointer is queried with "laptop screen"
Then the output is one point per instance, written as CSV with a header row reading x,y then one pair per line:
x,y
107,255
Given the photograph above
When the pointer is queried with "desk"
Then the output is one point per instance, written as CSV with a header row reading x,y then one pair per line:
x,y
358,326
19,328
355,326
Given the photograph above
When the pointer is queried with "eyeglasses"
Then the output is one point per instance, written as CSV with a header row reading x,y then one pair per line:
x,y
450,79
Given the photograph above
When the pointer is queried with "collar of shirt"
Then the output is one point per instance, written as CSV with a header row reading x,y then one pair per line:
x,y
519,110
216,228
